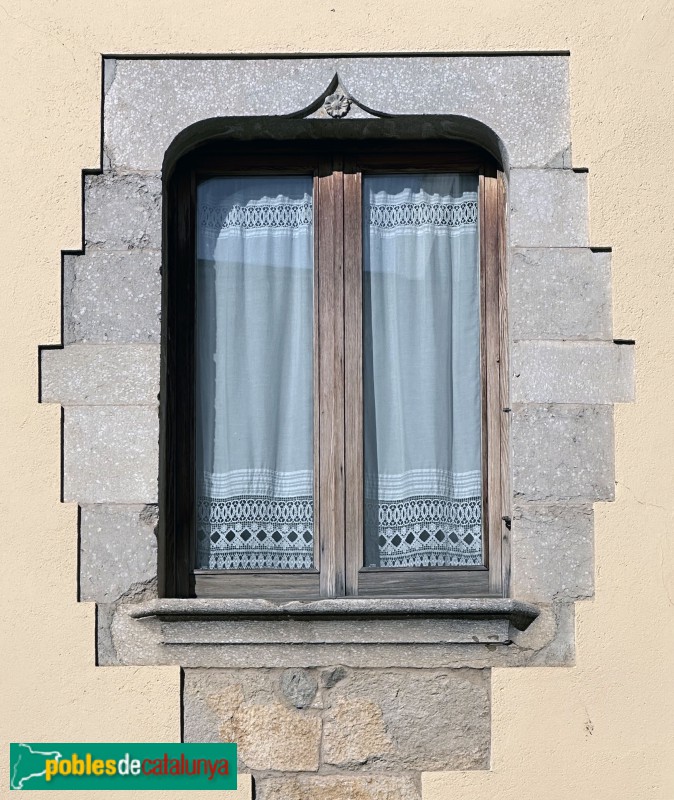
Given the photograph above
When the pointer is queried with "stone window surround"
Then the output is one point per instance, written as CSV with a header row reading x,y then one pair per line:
x,y
566,370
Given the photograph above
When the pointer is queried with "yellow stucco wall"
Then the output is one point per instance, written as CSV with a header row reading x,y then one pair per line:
x,y
603,729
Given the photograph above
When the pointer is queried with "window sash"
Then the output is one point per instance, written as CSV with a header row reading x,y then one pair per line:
x,y
338,411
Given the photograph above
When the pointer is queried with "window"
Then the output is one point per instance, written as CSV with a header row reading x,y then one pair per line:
x,y
333,349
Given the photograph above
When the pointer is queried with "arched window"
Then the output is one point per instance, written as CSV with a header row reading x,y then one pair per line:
x,y
333,398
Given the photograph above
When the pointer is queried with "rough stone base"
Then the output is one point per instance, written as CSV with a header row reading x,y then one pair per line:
x,y
365,733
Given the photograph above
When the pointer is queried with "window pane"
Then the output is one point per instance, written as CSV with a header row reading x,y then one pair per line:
x,y
254,406
421,371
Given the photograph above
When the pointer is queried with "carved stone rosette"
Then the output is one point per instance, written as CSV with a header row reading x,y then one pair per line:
x,y
337,105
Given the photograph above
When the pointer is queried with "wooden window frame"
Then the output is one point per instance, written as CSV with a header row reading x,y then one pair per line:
x,y
337,168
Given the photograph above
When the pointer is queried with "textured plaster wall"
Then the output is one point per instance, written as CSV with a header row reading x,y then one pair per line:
x,y
602,729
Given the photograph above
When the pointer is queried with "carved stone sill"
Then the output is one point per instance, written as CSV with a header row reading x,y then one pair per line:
x,y
514,612
352,631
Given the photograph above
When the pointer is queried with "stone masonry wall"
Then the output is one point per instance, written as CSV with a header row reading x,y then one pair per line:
x,y
365,733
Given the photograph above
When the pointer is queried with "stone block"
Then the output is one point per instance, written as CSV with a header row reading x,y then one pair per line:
x,y
111,454
123,211
331,677
150,102
338,787
101,375
563,453
560,293
112,297
560,648
105,648
247,708
274,738
418,720
594,373
552,553
355,733
299,687
548,208
118,550
524,99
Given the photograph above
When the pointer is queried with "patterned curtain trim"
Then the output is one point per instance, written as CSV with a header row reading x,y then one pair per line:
x,y
263,519
277,533
427,531
442,214
248,532
262,217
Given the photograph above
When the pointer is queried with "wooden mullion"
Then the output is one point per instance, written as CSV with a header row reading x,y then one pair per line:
x,y
353,387
331,379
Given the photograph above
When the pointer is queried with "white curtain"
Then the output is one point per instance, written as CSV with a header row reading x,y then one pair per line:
x,y
421,348
254,408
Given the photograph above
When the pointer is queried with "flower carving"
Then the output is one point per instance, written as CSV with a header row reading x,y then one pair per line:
x,y
337,105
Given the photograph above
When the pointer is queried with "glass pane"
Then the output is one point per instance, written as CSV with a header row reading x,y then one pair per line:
x,y
421,371
254,394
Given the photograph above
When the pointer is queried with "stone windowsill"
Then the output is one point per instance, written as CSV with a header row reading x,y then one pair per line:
x,y
343,620
518,613
357,632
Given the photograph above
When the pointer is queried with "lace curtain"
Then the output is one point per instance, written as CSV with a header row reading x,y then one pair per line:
x,y
254,373
421,371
